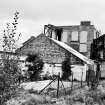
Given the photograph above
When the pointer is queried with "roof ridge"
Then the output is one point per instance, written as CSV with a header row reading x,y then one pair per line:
x,y
32,37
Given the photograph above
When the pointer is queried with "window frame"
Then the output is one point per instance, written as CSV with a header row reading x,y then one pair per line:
x,y
62,36
77,34
82,48
81,37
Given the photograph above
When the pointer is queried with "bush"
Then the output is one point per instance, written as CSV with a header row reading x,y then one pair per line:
x,y
35,66
10,69
66,68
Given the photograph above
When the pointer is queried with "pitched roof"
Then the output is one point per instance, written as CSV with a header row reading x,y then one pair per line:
x,y
66,47
74,52
29,40
25,43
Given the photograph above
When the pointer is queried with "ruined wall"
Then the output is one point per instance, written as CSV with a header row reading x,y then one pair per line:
x,y
76,43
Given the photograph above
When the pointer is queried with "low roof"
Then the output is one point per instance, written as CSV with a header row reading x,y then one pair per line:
x,y
74,52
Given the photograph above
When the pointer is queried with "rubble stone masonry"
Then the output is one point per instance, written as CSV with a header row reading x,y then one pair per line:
x,y
49,51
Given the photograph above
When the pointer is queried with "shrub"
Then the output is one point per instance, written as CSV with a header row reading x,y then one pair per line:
x,y
35,66
10,69
66,68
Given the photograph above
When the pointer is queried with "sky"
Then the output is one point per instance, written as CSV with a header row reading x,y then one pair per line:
x,y
34,14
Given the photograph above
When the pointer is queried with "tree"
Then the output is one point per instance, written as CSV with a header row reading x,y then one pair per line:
x,y
35,66
10,70
66,68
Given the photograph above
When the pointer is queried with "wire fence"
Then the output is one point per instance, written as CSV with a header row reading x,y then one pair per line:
x,y
58,87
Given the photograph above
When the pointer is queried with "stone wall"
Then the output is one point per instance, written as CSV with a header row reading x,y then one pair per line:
x,y
49,51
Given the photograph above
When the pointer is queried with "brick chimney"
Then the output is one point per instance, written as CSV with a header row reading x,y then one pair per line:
x,y
85,23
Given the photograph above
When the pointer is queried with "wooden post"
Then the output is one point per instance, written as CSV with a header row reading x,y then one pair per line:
x,y
72,82
63,87
58,85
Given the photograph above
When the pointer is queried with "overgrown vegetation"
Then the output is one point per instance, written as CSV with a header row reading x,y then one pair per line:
x,y
79,96
35,66
66,68
10,70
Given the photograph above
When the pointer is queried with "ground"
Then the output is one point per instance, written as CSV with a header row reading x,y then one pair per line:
x,y
78,96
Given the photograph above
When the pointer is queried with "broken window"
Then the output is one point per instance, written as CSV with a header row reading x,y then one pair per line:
x,y
58,34
53,31
48,30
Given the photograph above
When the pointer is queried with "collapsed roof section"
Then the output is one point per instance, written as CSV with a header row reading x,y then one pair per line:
x,y
49,29
74,52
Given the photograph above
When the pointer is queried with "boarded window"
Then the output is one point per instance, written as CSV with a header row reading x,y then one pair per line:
x,y
64,36
83,48
75,46
74,36
83,37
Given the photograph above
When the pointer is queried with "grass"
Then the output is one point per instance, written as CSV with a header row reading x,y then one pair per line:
x,y
28,98
78,95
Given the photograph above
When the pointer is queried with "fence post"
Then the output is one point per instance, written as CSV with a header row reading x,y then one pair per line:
x,y
58,85
72,81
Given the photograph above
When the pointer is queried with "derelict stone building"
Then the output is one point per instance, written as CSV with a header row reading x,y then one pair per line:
x,y
78,37
47,49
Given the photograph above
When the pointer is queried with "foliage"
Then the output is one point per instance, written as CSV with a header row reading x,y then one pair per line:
x,y
10,69
27,98
35,66
66,68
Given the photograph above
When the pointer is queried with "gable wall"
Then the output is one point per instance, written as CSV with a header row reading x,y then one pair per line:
x,y
48,50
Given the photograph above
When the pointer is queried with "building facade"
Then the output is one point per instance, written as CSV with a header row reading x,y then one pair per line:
x,y
49,51
79,37
98,52
53,53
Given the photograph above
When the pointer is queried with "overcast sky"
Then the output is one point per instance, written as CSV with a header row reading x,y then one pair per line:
x,y
34,14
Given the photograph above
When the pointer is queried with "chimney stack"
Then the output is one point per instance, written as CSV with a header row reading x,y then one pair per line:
x,y
85,23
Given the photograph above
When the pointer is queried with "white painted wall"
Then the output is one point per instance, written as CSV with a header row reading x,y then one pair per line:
x,y
52,69
77,70
55,69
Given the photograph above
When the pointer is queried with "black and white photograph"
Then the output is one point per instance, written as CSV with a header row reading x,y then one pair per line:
x,y
52,52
